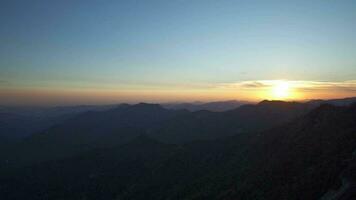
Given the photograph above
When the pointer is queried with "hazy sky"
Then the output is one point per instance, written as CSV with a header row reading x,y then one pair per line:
x,y
68,52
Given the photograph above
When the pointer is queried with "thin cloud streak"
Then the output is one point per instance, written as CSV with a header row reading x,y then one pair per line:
x,y
253,90
348,86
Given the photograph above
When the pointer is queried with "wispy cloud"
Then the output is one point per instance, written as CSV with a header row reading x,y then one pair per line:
x,y
249,85
299,85
348,86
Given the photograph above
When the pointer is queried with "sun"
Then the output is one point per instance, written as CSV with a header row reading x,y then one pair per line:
x,y
281,90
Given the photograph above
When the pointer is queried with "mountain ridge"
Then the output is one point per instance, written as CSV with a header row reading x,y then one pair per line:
x,y
301,159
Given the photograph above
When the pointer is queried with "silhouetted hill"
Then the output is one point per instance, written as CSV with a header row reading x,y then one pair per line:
x,y
336,102
20,122
310,157
217,106
210,125
90,130
119,125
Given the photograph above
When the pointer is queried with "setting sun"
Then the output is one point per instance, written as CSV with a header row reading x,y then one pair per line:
x,y
281,90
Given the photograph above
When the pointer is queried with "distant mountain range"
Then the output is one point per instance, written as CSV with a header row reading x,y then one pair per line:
x,y
286,151
336,102
217,106
19,122
268,150
98,129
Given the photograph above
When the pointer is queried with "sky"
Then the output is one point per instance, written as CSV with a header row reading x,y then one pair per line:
x,y
100,52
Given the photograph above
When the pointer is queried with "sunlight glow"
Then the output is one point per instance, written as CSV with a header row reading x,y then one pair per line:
x,y
281,90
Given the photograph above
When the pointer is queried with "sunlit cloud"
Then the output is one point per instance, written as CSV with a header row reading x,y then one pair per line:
x,y
297,89
301,85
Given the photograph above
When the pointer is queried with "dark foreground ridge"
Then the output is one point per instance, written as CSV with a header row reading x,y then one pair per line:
x,y
310,157
108,128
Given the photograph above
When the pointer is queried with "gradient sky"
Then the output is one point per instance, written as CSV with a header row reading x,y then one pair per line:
x,y
70,52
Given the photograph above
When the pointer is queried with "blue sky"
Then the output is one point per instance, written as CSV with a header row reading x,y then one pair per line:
x,y
144,45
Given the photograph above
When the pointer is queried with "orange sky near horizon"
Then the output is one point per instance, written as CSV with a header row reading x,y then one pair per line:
x,y
253,91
